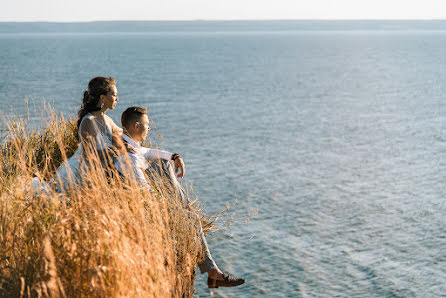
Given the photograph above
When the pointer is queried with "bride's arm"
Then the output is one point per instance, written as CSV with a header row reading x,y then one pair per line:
x,y
115,128
117,139
117,142
88,132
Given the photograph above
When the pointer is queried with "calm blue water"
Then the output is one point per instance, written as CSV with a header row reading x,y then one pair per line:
x,y
337,138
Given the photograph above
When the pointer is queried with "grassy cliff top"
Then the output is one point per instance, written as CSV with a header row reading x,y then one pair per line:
x,y
109,238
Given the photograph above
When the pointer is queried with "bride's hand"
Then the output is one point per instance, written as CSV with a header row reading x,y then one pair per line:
x,y
129,148
121,147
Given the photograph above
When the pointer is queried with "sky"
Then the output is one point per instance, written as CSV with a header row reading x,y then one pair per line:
x,y
102,10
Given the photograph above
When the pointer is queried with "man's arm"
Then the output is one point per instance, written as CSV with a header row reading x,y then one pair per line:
x,y
180,168
154,154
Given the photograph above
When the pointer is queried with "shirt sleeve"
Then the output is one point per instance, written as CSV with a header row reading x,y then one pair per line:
x,y
153,154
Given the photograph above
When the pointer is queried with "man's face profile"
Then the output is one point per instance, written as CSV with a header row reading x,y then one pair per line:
x,y
144,127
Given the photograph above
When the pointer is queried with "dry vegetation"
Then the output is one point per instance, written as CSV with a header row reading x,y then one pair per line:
x,y
107,239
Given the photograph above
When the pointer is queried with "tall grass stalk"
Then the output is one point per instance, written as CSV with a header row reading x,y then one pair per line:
x,y
106,238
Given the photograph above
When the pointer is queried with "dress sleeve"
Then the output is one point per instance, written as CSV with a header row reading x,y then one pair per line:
x,y
114,128
88,132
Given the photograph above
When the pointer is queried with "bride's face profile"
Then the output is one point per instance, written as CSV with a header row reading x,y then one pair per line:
x,y
109,101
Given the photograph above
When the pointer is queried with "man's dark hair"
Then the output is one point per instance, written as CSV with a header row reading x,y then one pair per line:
x,y
131,115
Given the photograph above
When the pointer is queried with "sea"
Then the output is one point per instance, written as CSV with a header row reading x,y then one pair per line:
x,y
319,145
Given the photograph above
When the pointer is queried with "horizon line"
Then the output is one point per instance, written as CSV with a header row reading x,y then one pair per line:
x,y
231,20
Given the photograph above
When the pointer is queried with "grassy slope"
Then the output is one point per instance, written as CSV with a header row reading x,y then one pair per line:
x,y
110,239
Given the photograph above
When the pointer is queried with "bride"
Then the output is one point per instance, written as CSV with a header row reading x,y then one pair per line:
x,y
96,130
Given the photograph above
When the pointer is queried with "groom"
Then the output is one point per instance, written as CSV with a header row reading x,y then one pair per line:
x,y
135,124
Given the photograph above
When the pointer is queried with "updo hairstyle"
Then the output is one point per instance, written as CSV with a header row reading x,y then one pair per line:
x,y
96,87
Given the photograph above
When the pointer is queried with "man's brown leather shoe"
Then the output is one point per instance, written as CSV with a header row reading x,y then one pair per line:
x,y
228,281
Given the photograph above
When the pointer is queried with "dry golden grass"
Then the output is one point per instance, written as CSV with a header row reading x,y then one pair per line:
x,y
108,239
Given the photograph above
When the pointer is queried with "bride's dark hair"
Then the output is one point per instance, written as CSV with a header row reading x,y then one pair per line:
x,y
96,87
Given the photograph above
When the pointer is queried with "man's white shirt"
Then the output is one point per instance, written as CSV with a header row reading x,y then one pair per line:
x,y
139,160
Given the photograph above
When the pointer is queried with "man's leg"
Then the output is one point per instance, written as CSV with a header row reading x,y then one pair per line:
x,y
164,169
216,277
208,263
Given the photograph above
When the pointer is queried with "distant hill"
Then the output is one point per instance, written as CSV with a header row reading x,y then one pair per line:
x,y
216,26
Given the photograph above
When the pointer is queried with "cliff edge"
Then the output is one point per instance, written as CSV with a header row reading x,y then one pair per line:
x,y
109,238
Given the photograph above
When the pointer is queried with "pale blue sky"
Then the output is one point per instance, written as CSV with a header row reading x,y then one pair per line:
x,y
97,10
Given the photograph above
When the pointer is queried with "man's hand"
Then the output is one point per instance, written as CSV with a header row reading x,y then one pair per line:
x,y
180,168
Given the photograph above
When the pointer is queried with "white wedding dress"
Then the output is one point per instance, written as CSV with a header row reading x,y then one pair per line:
x,y
70,171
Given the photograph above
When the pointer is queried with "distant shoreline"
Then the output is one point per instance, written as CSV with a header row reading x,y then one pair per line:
x,y
221,25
